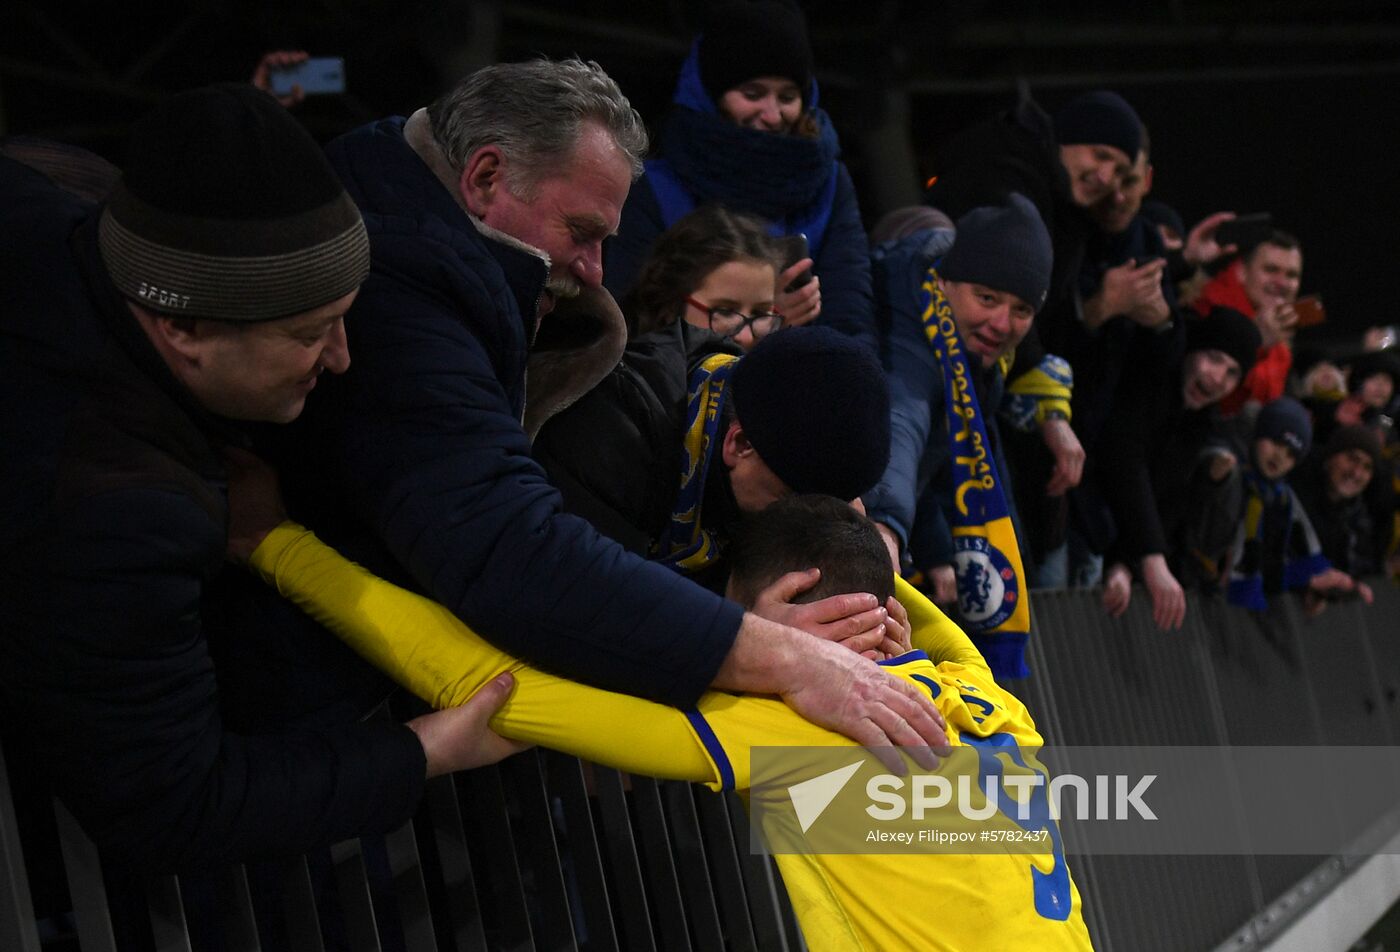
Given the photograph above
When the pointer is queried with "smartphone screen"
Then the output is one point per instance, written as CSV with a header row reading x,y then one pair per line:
x,y
1309,310
318,76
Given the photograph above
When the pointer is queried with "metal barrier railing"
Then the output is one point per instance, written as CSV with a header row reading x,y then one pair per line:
x,y
540,852
1229,677
547,852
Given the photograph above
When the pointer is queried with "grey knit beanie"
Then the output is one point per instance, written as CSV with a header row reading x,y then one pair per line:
x,y
227,209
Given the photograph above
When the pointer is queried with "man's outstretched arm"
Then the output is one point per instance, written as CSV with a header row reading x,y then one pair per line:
x,y
427,649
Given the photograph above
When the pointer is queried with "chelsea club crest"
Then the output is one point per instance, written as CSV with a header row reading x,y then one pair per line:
x,y
987,589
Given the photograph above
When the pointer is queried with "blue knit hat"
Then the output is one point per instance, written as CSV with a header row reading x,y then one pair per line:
x,y
1100,118
814,404
1285,421
1005,248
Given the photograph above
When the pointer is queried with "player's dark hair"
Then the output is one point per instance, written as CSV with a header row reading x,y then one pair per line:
x,y
811,531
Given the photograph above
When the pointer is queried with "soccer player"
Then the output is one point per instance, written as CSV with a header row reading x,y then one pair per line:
x,y
843,901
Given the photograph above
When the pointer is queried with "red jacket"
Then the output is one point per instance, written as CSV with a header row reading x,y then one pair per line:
x,y
1265,382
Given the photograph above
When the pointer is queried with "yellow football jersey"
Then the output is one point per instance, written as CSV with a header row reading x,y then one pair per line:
x,y
843,901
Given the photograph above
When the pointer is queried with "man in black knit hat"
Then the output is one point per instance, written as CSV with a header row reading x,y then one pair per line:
x,y
1152,444
992,277
669,459
1064,166
135,338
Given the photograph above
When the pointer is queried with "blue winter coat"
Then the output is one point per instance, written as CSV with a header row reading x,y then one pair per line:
x,y
828,214
415,459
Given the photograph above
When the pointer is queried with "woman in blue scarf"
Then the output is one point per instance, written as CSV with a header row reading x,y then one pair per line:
x,y
745,131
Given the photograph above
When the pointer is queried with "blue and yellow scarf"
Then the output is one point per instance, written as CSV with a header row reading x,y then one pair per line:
x,y
685,546
992,597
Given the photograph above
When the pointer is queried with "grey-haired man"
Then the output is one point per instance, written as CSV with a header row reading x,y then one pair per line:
x,y
485,210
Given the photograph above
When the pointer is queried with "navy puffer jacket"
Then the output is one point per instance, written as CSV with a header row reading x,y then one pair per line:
x,y
415,460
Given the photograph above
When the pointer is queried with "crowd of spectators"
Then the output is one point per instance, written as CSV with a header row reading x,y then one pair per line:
x,y
579,367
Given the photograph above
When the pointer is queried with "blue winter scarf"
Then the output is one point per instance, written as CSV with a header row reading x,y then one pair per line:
x,y
789,180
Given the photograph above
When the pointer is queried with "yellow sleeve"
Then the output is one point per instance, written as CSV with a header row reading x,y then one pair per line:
x,y
427,649
934,633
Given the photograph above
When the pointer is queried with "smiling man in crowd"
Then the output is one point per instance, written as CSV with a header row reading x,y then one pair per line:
x,y
956,309
1151,447
1262,284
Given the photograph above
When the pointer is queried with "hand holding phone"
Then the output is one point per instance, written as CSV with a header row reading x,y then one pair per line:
x,y
799,297
794,249
1310,310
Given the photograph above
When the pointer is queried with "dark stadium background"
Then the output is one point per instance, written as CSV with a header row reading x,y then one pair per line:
x,y
1288,107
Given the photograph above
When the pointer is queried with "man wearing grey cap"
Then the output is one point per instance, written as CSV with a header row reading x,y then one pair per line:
x,y
135,338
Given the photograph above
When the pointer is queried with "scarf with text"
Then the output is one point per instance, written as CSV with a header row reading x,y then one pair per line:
x,y
992,596
685,545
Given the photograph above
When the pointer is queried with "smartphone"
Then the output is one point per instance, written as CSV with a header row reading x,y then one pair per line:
x,y
318,76
1309,310
1245,231
794,248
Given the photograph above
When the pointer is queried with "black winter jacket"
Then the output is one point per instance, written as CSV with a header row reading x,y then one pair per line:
x,y
616,453
112,521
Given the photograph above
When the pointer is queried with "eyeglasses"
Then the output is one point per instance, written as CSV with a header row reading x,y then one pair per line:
x,y
729,321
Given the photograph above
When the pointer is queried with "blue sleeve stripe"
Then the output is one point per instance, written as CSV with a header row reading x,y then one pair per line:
x,y
908,656
714,748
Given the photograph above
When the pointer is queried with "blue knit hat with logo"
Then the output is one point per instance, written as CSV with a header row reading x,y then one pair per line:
x,y
1285,421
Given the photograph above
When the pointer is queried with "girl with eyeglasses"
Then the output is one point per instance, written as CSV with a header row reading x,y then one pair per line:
x,y
716,270
704,296
745,131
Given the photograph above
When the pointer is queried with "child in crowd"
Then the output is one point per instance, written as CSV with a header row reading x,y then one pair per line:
x,y
843,901
1275,546
1363,394
714,269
